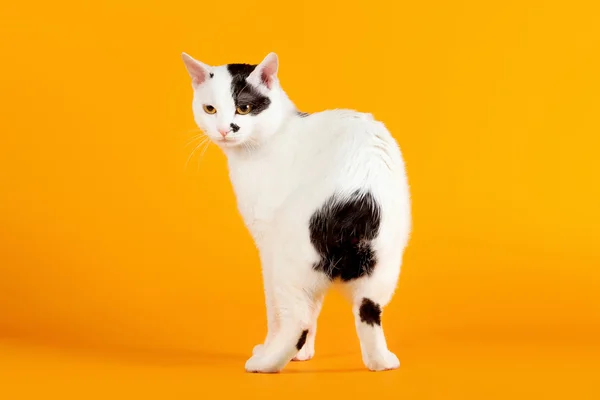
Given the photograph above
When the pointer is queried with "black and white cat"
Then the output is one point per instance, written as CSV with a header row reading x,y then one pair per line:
x,y
325,197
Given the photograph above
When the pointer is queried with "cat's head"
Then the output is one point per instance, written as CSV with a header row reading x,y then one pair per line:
x,y
237,104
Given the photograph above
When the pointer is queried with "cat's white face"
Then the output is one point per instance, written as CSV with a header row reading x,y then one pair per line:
x,y
236,104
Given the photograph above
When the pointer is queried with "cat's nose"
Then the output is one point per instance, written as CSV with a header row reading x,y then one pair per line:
x,y
224,132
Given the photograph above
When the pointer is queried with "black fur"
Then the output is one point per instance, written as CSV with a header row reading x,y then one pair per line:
x,y
211,74
302,114
244,93
370,312
302,340
234,127
342,231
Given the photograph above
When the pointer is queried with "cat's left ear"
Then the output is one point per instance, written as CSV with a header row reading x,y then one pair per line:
x,y
266,72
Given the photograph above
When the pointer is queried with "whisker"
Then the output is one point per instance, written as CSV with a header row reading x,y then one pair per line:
x,y
194,151
194,138
208,143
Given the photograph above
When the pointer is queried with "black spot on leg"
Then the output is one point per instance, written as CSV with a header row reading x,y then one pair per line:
x,y
302,340
342,231
234,127
370,312
244,93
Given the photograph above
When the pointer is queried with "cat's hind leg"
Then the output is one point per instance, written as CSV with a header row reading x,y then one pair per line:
x,y
308,350
363,250
297,292
369,296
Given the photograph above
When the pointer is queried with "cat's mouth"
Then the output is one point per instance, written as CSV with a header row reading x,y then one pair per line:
x,y
228,141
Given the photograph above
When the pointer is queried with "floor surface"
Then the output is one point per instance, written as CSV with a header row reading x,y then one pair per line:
x,y
463,372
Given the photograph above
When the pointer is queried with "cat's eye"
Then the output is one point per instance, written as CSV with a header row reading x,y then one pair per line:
x,y
244,109
209,109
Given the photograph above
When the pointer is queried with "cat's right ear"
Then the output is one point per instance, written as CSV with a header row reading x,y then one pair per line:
x,y
197,70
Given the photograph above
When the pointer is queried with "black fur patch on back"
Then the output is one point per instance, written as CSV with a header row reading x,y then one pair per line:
x,y
242,92
302,340
370,312
342,231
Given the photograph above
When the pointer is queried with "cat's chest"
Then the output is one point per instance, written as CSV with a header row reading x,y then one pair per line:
x,y
260,190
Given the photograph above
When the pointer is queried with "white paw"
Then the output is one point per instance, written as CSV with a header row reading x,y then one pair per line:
x,y
382,362
306,353
258,363
258,349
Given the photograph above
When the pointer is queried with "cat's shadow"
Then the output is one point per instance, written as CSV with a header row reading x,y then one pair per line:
x,y
173,358
170,358
323,371
229,361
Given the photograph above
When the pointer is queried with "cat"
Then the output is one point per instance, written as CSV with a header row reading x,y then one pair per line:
x,y
325,197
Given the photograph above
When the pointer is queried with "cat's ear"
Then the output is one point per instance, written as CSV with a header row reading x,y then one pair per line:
x,y
266,72
197,70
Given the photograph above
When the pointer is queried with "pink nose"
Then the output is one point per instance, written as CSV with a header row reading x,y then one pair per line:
x,y
224,132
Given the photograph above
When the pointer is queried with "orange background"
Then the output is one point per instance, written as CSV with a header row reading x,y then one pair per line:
x,y
126,272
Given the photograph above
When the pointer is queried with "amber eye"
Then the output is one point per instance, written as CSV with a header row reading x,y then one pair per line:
x,y
209,109
244,109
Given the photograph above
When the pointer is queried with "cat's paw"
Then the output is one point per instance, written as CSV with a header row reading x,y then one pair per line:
x,y
258,363
258,349
382,362
305,354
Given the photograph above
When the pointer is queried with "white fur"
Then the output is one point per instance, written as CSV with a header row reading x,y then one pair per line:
x,y
283,168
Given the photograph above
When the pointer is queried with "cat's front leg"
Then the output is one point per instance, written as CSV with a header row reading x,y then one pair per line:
x,y
270,304
271,321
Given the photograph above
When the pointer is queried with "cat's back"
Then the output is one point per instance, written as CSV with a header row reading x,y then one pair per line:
x,y
331,122
344,136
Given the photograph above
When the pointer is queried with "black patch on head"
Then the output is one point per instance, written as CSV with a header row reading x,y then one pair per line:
x,y
234,127
370,312
211,74
302,114
342,231
242,92
302,340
